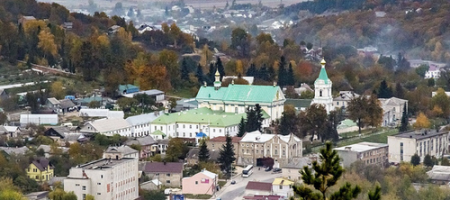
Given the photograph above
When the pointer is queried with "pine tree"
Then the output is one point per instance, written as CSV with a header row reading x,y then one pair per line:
x,y
263,73
203,154
219,67
227,157
404,122
199,74
270,73
290,76
211,73
282,72
325,175
428,161
415,160
251,70
251,118
376,194
241,128
184,71
258,117
384,91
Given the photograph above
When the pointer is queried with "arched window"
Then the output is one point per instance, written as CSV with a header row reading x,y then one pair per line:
x,y
320,93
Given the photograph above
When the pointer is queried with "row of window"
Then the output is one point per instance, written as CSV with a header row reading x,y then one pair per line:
x,y
268,152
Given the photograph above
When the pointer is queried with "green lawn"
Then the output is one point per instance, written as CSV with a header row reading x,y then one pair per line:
x,y
379,138
198,196
222,183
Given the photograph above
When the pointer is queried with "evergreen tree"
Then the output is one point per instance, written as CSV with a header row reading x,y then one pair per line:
x,y
203,154
184,71
399,91
376,194
384,91
290,76
251,70
428,161
404,123
270,73
241,128
226,156
251,118
282,78
263,73
415,160
323,176
258,117
219,67
199,74
445,162
211,73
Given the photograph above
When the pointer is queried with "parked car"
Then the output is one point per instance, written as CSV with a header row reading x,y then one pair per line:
x,y
233,182
268,169
277,170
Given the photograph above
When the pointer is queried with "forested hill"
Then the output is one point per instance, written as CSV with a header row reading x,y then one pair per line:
x,y
421,30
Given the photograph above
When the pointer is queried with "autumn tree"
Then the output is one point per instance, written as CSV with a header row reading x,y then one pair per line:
x,y
176,150
240,40
324,175
374,111
421,122
57,90
313,121
442,102
288,121
357,111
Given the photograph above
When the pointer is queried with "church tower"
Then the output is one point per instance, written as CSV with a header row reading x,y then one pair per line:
x,y
217,82
322,89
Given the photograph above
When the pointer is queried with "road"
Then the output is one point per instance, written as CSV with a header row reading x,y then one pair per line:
x,y
231,192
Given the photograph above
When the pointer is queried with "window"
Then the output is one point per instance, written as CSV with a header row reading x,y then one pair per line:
x,y
281,187
99,183
161,127
276,151
212,145
83,188
190,126
101,176
284,152
168,181
243,151
257,151
190,134
77,184
99,193
167,174
84,196
184,134
320,93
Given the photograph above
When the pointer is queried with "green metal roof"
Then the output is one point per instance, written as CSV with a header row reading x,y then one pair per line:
x,y
242,93
158,132
323,76
203,116
127,87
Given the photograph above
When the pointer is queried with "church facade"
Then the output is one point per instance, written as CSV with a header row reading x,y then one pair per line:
x,y
322,89
237,98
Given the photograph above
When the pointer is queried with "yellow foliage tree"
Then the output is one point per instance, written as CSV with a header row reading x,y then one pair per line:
x,y
32,26
239,68
421,122
103,40
124,35
206,57
47,43
57,89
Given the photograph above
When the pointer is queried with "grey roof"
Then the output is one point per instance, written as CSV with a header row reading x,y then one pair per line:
x,y
122,149
346,96
393,101
66,103
421,134
42,163
37,195
440,173
53,100
13,150
144,118
163,141
163,167
47,148
105,125
143,141
299,163
147,92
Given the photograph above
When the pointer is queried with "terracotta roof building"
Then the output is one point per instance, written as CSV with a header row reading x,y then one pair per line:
x,y
258,188
169,173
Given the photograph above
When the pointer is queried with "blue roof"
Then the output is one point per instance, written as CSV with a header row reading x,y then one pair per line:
x,y
201,134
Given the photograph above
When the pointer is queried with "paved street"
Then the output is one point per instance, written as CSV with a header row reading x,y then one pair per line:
x,y
231,192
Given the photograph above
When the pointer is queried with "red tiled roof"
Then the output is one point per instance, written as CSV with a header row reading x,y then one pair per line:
x,y
161,167
253,185
224,139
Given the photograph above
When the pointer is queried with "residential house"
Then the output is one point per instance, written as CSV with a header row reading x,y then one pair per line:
x,y
192,156
24,19
127,89
439,175
415,63
160,147
108,127
140,124
258,188
344,99
106,178
322,90
61,106
64,134
10,131
169,173
392,110
215,144
156,95
42,195
40,170
15,150
119,152
291,170
188,124
151,185
67,25
204,182
113,29
433,72
282,148
48,150
299,104
421,142
101,113
38,119
282,187
369,153
145,143
237,98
